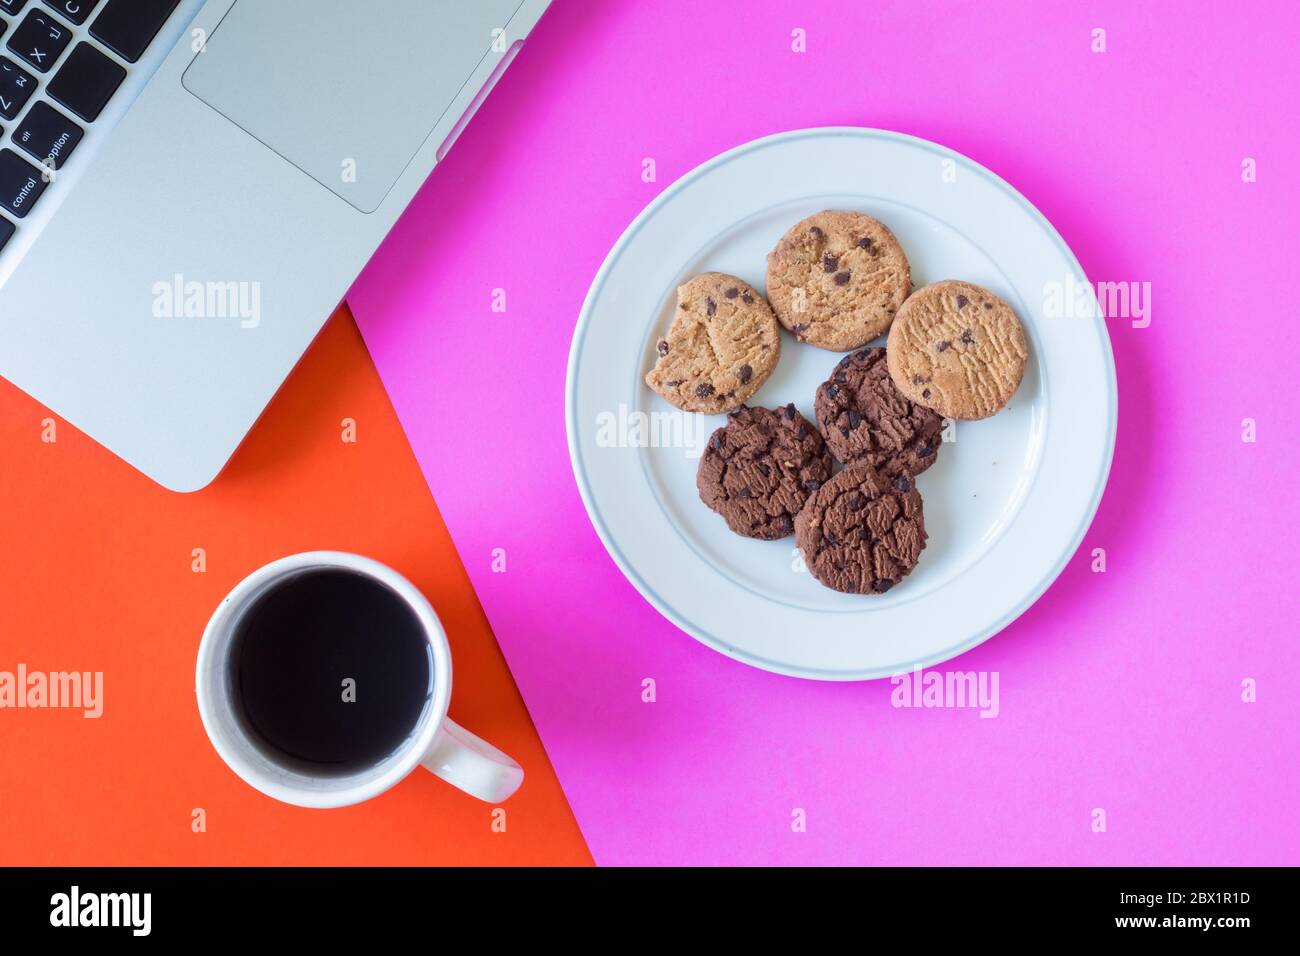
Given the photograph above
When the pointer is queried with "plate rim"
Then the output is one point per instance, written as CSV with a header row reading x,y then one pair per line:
x,y
634,577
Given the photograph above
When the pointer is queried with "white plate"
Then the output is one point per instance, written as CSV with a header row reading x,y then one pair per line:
x,y
1008,500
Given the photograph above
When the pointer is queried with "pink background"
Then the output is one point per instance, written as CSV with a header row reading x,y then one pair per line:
x,y
1119,690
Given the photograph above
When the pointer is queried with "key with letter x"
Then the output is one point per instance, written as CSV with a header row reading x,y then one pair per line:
x,y
40,40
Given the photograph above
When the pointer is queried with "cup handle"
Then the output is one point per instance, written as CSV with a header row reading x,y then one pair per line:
x,y
469,762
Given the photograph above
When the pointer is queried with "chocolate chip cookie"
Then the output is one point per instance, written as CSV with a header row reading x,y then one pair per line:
x,y
722,345
836,279
958,349
862,532
864,417
759,469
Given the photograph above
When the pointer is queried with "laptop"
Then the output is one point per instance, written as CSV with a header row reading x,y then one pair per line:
x,y
188,188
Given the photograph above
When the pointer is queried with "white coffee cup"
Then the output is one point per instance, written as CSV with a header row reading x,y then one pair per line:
x,y
435,742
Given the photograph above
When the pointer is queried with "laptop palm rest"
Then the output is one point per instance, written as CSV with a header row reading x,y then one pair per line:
x,y
345,91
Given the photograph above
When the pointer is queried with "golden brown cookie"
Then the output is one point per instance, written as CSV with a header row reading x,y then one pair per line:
x,y
722,345
958,349
836,279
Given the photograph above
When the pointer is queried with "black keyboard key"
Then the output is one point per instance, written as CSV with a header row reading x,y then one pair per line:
x,y
6,232
12,6
16,87
21,184
48,135
74,10
85,82
40,39
128,26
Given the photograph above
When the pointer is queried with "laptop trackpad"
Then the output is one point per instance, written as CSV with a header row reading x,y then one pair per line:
x,y
347,91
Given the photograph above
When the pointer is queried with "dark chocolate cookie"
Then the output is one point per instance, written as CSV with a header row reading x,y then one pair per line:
x,y
759,469
864,417
863,531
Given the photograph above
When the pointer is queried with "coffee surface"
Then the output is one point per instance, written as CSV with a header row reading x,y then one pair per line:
x,y
331,669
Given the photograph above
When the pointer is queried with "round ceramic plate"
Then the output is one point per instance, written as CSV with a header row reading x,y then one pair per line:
x,y
1009,498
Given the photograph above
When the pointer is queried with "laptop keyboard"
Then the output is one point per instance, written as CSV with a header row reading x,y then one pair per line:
x,y
36,35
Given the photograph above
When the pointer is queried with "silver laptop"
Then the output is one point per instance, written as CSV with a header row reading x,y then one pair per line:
x,y
188,188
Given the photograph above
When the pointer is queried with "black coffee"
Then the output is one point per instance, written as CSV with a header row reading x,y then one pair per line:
x,y
331,669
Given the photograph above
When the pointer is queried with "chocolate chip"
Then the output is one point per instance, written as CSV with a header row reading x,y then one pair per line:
x,y
925,393
800,329
840,377
832,389
864,242
704,390
856,501
662,347
674,383
902,483
803,431
763,469
743,492
830,538
710,306
967,337
943,346
854,418
844,431
716,441
842,278
830,263
962,301
925,451
815,232
844,362
744,373
787,524
732,292
811,485
747,299
918,379
882,586
790,411
988,305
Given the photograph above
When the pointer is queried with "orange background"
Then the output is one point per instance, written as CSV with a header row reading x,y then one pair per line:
x,y
95,575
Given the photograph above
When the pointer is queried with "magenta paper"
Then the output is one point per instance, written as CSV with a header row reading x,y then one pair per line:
x,y
1167,159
